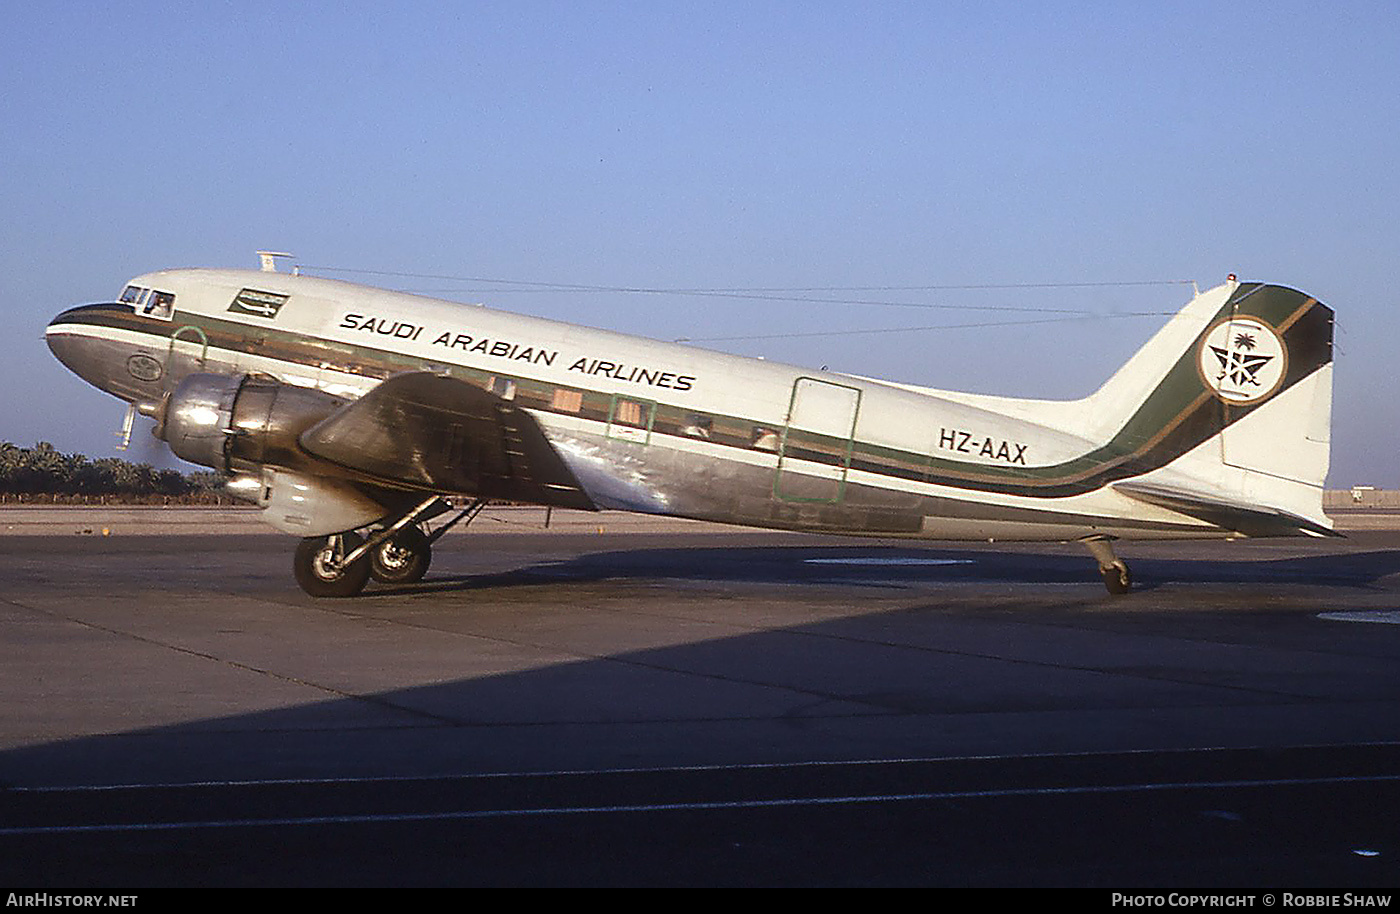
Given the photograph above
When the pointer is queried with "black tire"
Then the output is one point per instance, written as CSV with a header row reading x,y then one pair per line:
x,y
1118,581
319,576
401,559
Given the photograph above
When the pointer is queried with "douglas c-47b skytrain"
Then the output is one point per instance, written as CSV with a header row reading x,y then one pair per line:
x,y
355,415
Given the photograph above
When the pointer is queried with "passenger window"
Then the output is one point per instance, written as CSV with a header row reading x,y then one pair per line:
x,y
765,439
567,401
503,388
631,420
698,426
628,413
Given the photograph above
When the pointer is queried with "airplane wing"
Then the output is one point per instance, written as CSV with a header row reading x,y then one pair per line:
x,y
431,432
1247,519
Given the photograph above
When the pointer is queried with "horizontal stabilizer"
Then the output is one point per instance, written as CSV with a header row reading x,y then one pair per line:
x,y
431,432
1246,519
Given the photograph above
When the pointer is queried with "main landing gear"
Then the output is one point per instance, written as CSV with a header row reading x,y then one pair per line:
x,y
321,569
401,559
1116,576
340,565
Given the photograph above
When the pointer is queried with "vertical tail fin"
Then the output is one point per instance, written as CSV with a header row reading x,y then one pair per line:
x,y
1229,406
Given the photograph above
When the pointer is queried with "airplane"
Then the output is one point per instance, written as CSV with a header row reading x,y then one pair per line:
x,y
354,416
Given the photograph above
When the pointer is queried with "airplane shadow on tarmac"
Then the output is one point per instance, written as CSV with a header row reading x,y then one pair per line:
x,y
902,566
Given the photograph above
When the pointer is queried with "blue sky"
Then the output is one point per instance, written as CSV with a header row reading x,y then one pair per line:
x,y
720,145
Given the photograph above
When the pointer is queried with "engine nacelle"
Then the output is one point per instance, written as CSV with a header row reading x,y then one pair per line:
x,y
307,505
239,423
247,425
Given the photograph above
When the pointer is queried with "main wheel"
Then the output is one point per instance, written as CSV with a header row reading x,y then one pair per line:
x,y
320,570
401,559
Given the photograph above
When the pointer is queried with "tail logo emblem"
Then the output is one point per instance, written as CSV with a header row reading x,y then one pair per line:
x,y
1243,360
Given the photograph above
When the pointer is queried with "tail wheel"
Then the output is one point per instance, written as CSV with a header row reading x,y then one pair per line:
x,y
403,558
1114,570
1117,579
320,568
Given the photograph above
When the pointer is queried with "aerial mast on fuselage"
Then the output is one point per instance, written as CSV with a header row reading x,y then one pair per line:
x,y
268,261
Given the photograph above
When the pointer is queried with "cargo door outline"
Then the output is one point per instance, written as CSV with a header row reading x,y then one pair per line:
x,y
174,371
818,439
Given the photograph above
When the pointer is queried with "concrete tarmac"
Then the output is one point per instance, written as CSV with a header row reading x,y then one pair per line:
x,y
683,705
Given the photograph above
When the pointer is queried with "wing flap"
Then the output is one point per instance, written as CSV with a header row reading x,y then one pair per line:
x,y
427,431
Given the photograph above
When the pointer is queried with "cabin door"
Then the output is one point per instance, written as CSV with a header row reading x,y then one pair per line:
x,y
814,454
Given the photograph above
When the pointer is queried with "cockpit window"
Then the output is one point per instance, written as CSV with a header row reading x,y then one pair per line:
x,y
150,302
160,305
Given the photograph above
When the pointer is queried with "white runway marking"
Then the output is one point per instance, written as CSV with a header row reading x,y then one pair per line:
x,y
1199,751
895,560
1386,616
858,799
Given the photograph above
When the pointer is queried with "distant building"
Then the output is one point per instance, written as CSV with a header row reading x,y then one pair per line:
x,y
1361,497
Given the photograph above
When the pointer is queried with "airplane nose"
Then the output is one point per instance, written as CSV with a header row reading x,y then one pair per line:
x,y
64,342
60,343
71,340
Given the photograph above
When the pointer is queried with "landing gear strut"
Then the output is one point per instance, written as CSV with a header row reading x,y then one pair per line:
x,y
1116,576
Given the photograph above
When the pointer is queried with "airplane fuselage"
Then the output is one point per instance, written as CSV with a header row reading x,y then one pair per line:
x,y
669,429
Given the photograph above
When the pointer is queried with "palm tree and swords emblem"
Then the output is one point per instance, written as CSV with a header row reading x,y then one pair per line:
x,y
1242,360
